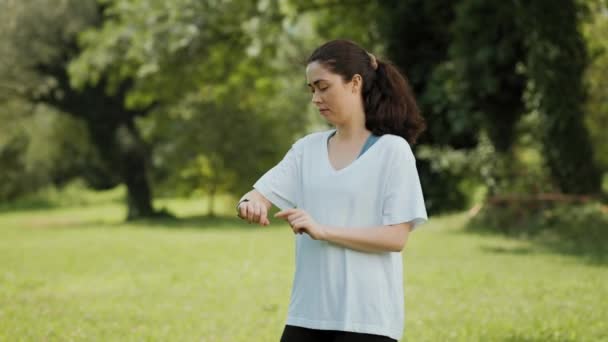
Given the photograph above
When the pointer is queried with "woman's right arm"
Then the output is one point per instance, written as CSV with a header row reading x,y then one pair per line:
x,y
255,209
278,186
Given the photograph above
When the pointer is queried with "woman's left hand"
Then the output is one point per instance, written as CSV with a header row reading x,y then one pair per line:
x,y
301,222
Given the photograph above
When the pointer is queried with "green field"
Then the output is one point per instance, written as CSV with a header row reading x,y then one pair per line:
x,y
82,274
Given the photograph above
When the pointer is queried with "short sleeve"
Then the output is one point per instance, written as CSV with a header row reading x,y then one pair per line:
x,y
280,185
403,200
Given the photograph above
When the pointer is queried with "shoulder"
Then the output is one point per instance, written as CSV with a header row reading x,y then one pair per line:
x,y
315,136
311,139
397,146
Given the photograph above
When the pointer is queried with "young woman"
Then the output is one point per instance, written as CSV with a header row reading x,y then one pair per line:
x,y
352,195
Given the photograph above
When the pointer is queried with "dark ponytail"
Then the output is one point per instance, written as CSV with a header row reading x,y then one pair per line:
x,y
389,104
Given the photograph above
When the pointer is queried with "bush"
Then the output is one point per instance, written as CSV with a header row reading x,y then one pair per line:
x,y
75,193
580,228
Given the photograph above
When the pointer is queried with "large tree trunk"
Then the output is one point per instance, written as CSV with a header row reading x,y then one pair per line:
x,y
139,201
133,171
121,147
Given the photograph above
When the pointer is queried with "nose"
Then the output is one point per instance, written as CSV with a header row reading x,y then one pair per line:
x,y
316,98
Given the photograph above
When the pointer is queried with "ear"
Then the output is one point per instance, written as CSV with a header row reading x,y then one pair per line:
x,y
357,83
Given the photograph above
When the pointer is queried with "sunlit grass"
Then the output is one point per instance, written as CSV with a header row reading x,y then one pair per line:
x,y
83,274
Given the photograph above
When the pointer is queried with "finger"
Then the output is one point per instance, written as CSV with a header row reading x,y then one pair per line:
x,y
256,213
244,209
263,216
296,230
300,228
295,216
300,223
250,212
284,213
241,211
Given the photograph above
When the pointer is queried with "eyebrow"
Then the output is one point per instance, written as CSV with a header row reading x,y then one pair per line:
x,y
315,82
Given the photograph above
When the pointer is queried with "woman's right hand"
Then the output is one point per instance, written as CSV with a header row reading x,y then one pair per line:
x,y
254,212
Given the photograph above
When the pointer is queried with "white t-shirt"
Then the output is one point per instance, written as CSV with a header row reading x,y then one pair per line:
x,y
334,287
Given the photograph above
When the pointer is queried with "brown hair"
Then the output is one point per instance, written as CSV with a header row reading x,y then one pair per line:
x,y
389,103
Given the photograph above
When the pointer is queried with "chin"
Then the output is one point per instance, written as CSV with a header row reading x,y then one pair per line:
x,y
329,120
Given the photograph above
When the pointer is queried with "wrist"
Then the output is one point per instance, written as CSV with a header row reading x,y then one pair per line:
x,y
325,232
238,205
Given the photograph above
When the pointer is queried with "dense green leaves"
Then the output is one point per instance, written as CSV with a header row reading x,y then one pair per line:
x,y
556,62
596,76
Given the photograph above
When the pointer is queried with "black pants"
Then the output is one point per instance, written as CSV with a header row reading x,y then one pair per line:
x,y
299,334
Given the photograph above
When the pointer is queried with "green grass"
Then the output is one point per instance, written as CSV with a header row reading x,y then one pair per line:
x,y
81,274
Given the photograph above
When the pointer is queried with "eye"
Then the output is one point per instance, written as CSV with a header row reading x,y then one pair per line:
x,y
322,86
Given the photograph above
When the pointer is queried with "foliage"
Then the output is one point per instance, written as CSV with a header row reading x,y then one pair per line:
x,y
509,55
556,60
35,144
41,54
571,227
166,47
487,53
36,33
484,167
223,91
211,93
211,63
417,35
596,77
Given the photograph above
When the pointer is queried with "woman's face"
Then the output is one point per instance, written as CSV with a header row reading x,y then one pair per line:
x,y
334,98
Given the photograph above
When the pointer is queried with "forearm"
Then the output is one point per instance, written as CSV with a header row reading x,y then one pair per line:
x,y
374,239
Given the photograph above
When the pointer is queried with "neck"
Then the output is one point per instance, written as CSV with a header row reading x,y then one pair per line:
x,y
354,129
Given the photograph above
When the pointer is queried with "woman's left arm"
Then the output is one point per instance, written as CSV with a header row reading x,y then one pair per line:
x,y
392,238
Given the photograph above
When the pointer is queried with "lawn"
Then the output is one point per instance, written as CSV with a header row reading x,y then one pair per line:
x,y
82,274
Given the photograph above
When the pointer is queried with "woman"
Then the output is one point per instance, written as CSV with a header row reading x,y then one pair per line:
x,y
352,195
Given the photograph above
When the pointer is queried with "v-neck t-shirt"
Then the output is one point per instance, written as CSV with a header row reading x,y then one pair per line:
x,y
335,287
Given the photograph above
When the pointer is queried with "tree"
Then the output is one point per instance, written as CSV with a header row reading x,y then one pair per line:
x,y
596,78
556,62
40,41
471,63
220,75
